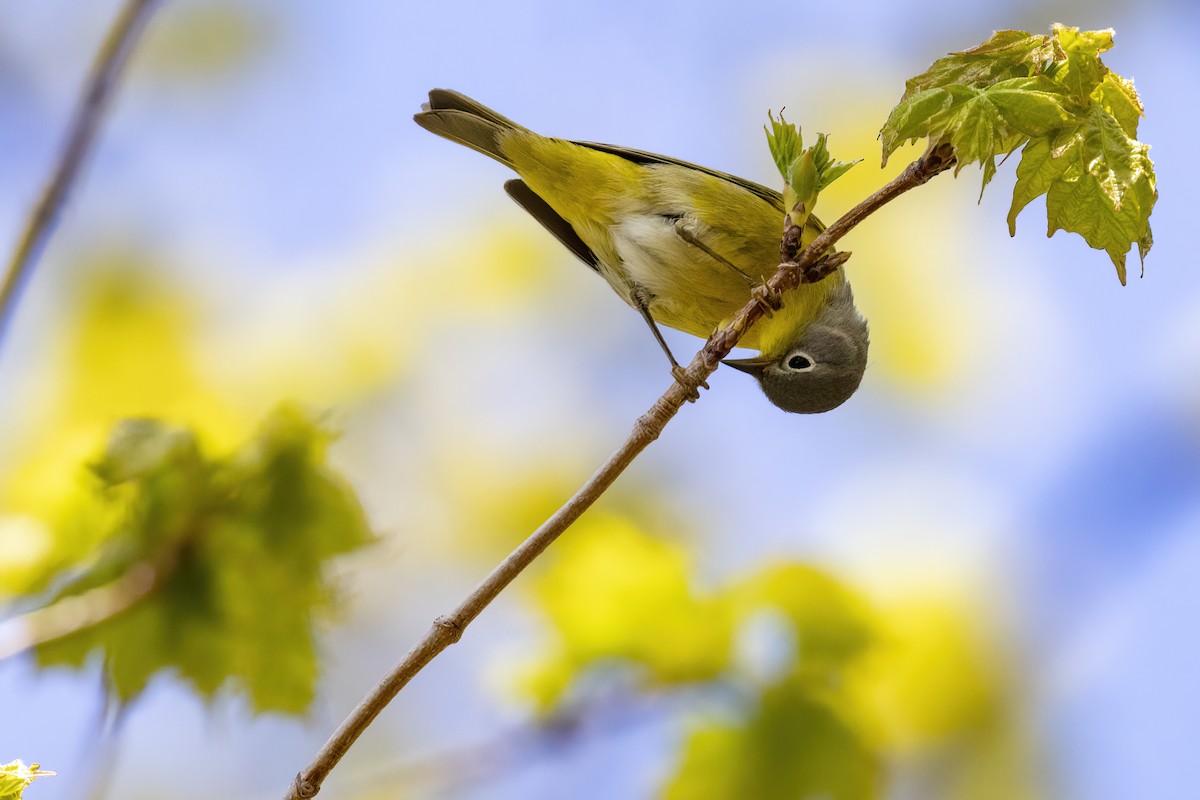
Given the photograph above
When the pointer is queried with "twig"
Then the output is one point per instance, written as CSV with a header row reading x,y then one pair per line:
x,y
449,629
81,137
77,612
95,774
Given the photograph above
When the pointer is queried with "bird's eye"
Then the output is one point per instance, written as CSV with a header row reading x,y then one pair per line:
x,y
800,362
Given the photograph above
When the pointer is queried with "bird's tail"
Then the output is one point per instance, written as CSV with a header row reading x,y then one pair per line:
x,y
460,119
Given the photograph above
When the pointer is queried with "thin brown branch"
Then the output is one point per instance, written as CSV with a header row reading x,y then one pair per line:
x,y
77,612
449,629
81,136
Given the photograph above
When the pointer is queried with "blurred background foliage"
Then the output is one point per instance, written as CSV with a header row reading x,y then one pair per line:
x,y
235,548
964,584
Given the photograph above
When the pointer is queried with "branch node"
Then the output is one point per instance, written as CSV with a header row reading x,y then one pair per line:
x,y
650,425
824,267
789,246
451,626
938,158
304,788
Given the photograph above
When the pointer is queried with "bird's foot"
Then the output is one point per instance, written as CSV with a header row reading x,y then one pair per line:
x,y
691,388
767,298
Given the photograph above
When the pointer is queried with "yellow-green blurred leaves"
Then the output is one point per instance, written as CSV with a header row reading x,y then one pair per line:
x,y
128,341
793,738
496,503
853,686
200,41
236,547
614,595
831,623
794,744
126,351
15,777
496,269
927,680
936,697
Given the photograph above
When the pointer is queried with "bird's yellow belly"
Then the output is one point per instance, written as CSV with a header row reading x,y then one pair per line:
x,y
695,293
688,289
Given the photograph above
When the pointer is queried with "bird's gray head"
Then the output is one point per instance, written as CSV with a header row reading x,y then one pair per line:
x,y
821,370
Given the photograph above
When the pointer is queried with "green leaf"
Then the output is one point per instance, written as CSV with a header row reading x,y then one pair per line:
x,y
15,777
1074,117
1030,106
1117,96
802,185
1008,54
1098,183
805,172
141,447
911,118
238,547
828,168
1037,171
980,123
977,136
785,142
1084,70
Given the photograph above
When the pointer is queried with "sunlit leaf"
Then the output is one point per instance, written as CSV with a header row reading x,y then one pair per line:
x,y
981,123
1008,54
1117,96
1098,183
1075,118
15,777
1083,70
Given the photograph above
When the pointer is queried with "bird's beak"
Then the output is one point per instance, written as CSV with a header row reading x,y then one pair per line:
x,y
750,366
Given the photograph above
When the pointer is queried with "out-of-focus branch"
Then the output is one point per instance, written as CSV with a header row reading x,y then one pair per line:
x,y
81,137
808,266
75,613
455,770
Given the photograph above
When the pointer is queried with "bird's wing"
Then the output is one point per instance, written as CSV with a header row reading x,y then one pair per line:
x,y
642,157
540,210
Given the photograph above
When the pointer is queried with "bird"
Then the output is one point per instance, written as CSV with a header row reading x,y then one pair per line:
x,y
682,244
